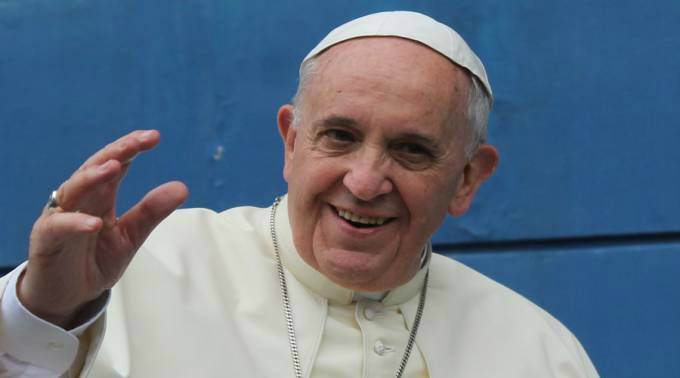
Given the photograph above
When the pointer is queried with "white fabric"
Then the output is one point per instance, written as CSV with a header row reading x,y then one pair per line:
x,y
413,26
201,298
30,346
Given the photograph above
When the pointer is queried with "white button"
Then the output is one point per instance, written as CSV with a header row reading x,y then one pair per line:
x,y
369,313
381,349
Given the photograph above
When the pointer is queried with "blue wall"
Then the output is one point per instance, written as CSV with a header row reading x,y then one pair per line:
x,y
582,216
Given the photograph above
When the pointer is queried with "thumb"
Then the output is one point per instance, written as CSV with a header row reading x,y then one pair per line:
x,y
138,222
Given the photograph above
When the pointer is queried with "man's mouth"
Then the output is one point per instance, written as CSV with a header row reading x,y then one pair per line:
x,y
360,221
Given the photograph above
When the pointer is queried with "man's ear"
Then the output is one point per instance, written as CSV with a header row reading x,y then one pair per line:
x,y
478,169
287,132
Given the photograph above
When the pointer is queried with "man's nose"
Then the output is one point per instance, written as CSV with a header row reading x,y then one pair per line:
x,y
366,178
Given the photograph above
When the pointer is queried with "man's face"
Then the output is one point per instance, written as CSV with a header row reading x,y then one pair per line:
x,y
377,160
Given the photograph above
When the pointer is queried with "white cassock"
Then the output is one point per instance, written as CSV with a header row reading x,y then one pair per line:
x,y
202,299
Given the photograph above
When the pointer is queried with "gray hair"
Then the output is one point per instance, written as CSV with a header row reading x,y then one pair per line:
x,y
308,69
476,113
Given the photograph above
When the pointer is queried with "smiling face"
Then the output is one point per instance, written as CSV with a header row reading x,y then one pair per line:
x,y
378,160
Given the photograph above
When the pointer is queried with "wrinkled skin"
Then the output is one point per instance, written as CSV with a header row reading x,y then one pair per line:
x,y
382,134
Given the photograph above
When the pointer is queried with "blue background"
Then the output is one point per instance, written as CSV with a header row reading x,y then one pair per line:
x,y
581,217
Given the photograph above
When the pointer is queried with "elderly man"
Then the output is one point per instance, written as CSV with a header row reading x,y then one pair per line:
x,y
336,279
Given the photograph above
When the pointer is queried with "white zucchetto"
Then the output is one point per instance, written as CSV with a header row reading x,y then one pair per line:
x,y
409,25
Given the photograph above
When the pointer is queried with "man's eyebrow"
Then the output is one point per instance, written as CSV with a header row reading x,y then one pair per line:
x,y
336,120
411,136
425,140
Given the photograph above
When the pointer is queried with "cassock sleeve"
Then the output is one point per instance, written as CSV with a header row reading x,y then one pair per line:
x,y
32,347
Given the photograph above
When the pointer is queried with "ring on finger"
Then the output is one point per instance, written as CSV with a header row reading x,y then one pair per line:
x,y
52,201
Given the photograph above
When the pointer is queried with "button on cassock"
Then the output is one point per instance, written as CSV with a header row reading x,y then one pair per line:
x,y
381,349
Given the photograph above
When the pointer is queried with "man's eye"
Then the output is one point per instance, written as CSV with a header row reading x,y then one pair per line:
x,y
412,154
337,135
413,149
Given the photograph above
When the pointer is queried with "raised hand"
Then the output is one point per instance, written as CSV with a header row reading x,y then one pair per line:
x,y
80,249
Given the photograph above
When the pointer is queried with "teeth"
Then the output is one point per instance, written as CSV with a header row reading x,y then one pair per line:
x,y
346,214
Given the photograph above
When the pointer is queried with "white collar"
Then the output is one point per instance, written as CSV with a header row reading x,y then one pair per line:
x,y
323,286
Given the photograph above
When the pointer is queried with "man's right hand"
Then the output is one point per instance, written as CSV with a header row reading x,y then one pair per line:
x,y
80,249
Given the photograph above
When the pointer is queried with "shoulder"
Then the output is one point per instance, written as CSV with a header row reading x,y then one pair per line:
x,y
198,218
198,224
193,237
502,323
481,294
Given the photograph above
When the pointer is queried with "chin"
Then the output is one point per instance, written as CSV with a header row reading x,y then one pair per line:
x,y
356,275
352,275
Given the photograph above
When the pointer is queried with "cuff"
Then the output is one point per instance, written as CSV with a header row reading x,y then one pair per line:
x,y
31,339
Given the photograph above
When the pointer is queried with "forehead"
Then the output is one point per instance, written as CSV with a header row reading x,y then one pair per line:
x,y
389,76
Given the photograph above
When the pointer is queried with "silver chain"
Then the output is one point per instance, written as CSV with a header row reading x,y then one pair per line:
x,y
288,312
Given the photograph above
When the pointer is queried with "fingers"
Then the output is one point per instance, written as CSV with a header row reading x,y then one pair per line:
x,y
138,222
125,148
92,190
53,229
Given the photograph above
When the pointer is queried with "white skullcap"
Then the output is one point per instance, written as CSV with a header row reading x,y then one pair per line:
x,y
413,26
